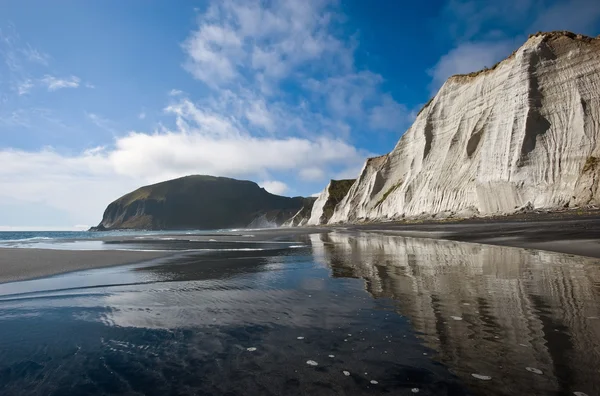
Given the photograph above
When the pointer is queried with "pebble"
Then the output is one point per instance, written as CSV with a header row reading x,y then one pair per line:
x,y
251,349
580,394
456,317
534,370
300,338
346,373
331,356
374,382
312,363
482,377
415,390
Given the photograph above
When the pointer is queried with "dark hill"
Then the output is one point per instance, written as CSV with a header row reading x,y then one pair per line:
x,y
198,202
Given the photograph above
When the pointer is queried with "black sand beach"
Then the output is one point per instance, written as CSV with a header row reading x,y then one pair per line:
x,y
357,309
577,235
20,264
558,232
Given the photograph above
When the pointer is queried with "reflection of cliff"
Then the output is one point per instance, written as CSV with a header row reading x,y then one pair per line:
x,y
486,309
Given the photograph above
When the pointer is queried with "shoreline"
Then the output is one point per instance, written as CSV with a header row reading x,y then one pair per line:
x,y
568,234
20,264
563,234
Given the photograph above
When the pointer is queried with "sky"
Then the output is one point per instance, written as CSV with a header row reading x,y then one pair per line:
x,y
98,98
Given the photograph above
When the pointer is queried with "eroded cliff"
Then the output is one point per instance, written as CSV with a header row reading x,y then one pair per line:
x,y
523,133
329,198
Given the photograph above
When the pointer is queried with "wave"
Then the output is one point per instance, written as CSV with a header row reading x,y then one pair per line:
x,y
32,239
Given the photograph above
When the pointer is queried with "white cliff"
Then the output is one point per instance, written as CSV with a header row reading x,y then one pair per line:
x,y
524,133
326,202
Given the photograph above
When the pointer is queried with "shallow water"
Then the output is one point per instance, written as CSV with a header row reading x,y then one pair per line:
x,y
346,314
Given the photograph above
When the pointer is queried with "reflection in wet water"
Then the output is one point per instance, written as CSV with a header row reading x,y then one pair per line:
x,y
527,319
448,318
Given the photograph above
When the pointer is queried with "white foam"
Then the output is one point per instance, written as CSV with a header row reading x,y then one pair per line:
x,y
26,239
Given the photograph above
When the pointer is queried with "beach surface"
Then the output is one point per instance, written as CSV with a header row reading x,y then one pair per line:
x,y
578,235
358,310
563,234
20,264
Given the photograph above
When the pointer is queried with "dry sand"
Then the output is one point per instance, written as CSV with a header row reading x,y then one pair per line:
x,y
20,264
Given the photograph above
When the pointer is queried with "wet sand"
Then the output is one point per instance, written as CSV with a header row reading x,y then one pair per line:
x,y
578,235
20,264
563,234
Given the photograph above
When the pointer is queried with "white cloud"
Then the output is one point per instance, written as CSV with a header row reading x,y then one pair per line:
x,y
312,174
257,114
210,143
175,92
468,57
257,40
142,115
389,115
53,83
25,86
274,187
202,142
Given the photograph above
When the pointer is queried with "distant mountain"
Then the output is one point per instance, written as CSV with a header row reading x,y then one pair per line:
x,y
199,202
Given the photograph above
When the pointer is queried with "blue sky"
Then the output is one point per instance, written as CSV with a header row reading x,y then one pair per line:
x,y
99,98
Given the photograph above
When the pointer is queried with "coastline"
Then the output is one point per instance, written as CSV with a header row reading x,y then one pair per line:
x,y
556,232
576,235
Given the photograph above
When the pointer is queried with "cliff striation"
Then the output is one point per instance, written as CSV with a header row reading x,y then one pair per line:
x,y
301,217
326,202
523,134
199,202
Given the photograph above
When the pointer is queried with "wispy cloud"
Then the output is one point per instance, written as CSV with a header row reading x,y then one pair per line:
x,y
25,86
101,122
54,83
245,50
35,55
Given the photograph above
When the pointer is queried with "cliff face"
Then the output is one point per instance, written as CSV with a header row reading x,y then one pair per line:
x,y
326,202
199,202
301,217
522,134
